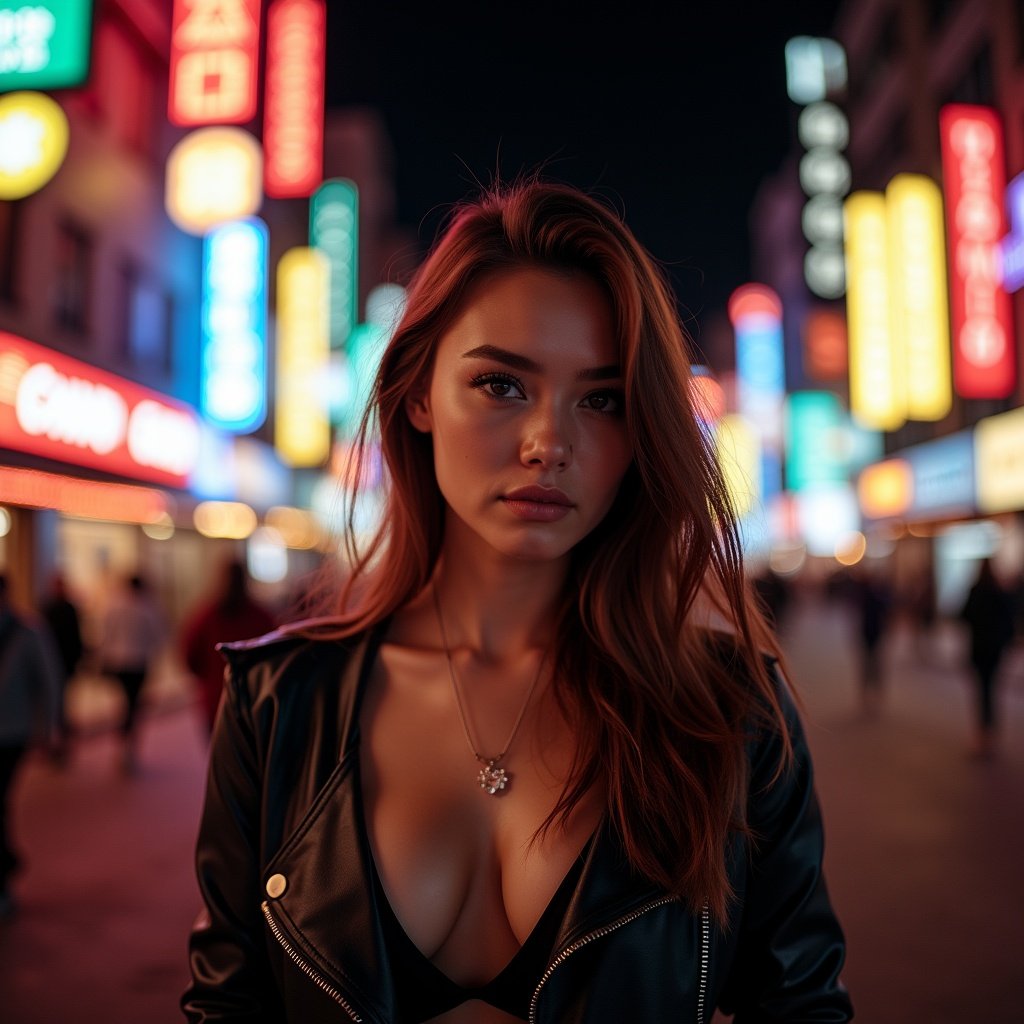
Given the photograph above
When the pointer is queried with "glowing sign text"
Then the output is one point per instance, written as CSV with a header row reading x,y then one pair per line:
x,y
44,45
213,176
214,61
293,119
59,408
974,176
234,318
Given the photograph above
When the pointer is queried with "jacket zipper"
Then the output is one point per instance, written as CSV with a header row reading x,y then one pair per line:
x,y
588,938
306,969
705,960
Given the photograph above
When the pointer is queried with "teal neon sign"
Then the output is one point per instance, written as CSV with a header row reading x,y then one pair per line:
x,y
334,230
44,44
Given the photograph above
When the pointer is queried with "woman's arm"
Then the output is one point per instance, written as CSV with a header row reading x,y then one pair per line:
x,y
790,948
231,975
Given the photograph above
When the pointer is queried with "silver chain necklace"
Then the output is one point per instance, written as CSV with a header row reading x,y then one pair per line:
x,y
492,777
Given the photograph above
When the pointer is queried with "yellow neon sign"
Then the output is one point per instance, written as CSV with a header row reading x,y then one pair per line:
x,y
33,142
919,296
302,428
213,175
877,382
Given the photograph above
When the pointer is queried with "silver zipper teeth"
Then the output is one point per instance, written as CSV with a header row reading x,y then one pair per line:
x,y
586,940
705,959
307,969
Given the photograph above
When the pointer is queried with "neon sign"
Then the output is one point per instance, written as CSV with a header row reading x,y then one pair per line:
x,y
234,324
1013,244
756,315
917,264
877,385
214,62
56,407
975,180
44,44
213,176
334,229
33,142
302,429
293,118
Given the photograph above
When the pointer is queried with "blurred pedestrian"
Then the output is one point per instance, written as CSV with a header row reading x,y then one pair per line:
x,y
29,690
232,615
873,601
61,615
988,613
132,634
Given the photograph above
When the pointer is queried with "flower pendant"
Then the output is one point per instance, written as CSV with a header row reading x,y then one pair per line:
x,y
493,779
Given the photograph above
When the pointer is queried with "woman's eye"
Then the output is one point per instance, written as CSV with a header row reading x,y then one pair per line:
x,y
604,401
498,385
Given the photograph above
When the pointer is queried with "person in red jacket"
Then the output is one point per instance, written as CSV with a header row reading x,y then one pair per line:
x,y
232,615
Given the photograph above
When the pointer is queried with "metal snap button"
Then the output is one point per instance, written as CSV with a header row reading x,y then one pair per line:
x,y
276,885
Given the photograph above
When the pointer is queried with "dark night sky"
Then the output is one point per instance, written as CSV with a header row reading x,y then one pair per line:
x,y
674,112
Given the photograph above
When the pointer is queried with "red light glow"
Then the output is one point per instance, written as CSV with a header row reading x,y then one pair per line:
x,y
293,119
88,499
214,62
59,408
754,300
974,176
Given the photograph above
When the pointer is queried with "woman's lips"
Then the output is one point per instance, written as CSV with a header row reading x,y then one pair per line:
x,y
537,511
540,504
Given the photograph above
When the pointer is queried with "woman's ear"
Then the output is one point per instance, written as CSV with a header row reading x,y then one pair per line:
x,y
417,408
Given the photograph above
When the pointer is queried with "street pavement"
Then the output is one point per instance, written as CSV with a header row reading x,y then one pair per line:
x,y
925,845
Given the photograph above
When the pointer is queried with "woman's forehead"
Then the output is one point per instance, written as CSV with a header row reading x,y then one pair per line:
x,y
536,311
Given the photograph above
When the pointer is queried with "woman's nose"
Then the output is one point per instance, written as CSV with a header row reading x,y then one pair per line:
x,y
546,442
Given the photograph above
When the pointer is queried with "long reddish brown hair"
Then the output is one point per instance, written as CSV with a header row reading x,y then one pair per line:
x,y
661,706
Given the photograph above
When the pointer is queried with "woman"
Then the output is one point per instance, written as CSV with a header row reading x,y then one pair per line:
x,y
520,777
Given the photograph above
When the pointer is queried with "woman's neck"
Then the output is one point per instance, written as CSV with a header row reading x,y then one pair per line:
x,y
497,606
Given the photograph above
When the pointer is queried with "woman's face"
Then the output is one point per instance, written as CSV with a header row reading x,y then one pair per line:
x,y
526,411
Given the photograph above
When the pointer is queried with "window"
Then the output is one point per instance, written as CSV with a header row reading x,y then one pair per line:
x,y
10,217
147,313
72,277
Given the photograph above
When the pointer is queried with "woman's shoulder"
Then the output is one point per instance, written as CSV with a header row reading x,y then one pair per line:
x,y
310,648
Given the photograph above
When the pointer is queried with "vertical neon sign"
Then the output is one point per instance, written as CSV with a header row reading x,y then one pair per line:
x,y
234,325
756,315
917,273
975,179
334,230
877,384
214,61
293,118
302,428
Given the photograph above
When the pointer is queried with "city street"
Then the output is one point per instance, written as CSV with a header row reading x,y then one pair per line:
x,y
924,849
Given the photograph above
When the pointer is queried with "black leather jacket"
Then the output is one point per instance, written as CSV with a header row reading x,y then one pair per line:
x,y
292,930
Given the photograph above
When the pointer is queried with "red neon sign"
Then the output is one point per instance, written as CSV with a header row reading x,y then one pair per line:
x,y
981,317
58,408
214,61
293,110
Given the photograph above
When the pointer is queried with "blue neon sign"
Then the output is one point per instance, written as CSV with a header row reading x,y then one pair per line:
x,y
233,388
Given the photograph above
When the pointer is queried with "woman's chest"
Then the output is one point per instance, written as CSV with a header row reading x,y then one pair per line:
x,y
464,870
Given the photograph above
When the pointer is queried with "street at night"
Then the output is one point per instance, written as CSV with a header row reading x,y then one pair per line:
x,y
924,845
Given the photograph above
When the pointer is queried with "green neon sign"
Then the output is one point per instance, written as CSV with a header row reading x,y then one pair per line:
x,y
334,229
44,44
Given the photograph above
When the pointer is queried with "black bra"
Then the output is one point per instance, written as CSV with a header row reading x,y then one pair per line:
x,y
423,990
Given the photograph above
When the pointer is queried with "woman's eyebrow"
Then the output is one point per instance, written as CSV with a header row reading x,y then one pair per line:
x,y
528,365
